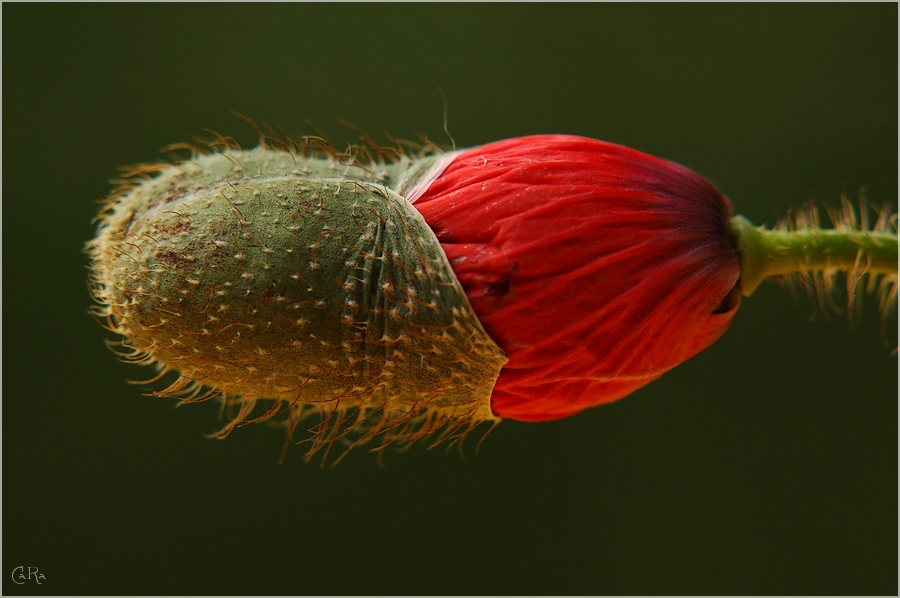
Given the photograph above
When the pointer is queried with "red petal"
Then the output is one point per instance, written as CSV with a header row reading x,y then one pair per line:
x,y
595,267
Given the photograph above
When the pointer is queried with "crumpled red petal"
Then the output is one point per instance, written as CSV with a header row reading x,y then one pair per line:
x,y
595,267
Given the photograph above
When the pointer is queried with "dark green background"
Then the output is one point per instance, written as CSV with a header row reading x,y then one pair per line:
x,y
767,464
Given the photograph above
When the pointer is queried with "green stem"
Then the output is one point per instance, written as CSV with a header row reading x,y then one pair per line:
x,y
769,253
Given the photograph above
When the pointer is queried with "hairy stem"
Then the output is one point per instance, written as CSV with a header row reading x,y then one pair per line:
x,y
770,253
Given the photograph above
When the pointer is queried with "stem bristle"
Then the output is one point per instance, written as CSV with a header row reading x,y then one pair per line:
x,y
836,290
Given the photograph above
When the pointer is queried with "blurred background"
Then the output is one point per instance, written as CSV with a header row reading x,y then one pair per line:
x,y
765,465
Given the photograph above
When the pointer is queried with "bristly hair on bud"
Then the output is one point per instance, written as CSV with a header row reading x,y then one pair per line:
x,y
837,289
290,280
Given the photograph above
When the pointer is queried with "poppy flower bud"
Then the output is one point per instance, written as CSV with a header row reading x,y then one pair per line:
x,y
417,296
595,267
